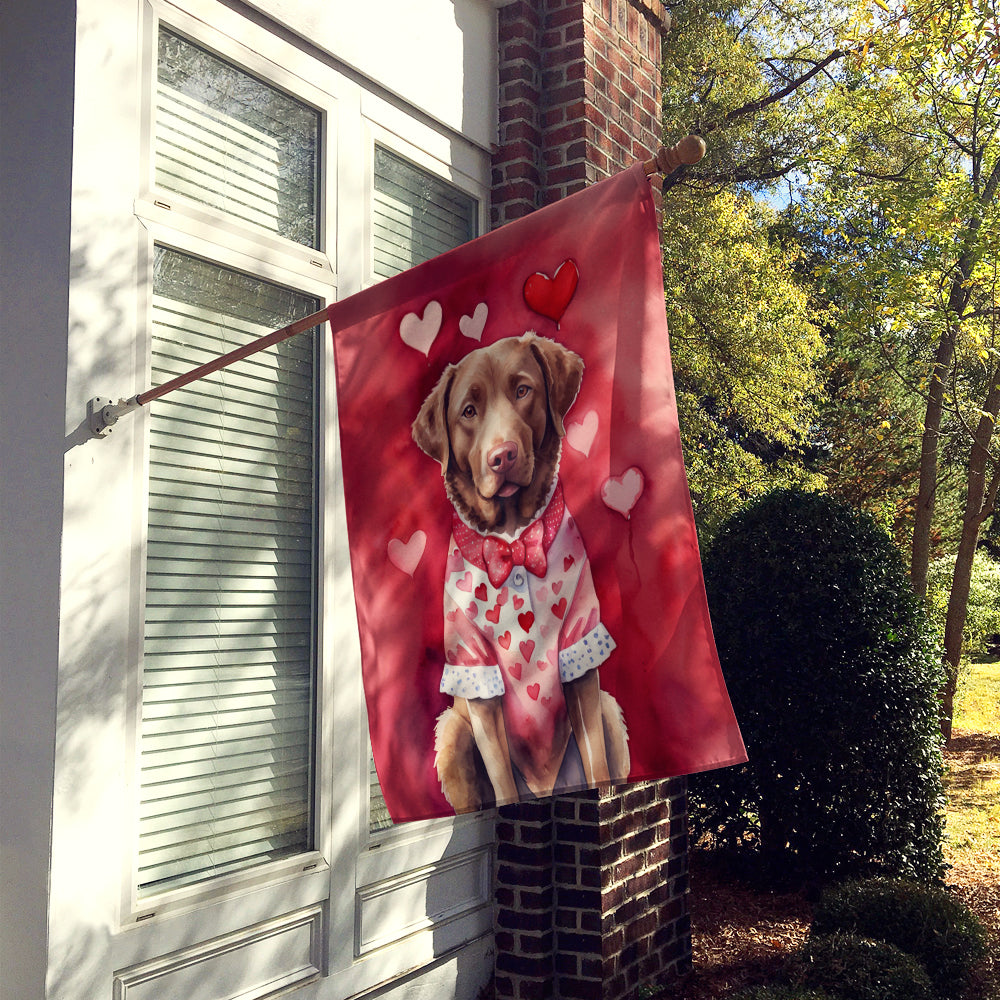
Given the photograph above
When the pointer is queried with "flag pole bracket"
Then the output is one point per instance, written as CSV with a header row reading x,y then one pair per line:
x,y
103,413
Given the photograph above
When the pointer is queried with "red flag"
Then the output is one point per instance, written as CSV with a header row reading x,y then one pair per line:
x,y
526,571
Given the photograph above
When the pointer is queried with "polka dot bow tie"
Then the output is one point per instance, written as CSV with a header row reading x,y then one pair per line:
x,y
527,551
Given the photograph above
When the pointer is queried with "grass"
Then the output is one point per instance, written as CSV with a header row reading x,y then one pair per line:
x,y
973,783
977,706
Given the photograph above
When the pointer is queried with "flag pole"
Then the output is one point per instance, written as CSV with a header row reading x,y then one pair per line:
x,y
687,152
103,414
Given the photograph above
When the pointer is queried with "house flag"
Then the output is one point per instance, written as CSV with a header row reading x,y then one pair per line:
x,y
526,573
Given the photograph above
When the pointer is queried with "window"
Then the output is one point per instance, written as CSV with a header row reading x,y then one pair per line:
x,y
252,802
229,646
228,678
227,140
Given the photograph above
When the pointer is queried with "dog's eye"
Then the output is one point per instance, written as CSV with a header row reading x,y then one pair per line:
x,y
522,391
469,412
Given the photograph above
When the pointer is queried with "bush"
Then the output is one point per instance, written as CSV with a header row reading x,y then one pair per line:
x,y
833,672
856,968
925,922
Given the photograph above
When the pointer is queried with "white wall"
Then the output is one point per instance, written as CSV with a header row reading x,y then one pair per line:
x,y
416,50
36,108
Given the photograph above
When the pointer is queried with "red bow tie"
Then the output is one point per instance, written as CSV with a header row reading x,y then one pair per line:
x,y
527,551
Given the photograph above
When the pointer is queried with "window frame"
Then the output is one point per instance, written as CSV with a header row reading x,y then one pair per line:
x,y
177,223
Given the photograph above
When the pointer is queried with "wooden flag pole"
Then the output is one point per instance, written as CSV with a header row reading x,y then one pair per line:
x,y
687,152
103,413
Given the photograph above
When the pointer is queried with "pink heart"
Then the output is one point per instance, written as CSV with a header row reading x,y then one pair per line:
x,y
472,326
556,587
502,598
621,492
581,433
533,690
515,671
518,603
504,640
406,556
472,610
455,562
465,583
541,664
527,647
493,615
419,332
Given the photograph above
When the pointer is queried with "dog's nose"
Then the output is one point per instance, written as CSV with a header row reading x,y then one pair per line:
x,y
502,457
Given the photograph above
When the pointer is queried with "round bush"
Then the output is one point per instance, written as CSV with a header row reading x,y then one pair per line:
x,y
924,921
856,968
833,672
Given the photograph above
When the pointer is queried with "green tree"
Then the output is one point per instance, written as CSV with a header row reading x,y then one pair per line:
x,y
746,354
912,188
748,358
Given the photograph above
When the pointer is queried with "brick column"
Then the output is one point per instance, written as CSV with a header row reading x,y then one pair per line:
x,y
591,889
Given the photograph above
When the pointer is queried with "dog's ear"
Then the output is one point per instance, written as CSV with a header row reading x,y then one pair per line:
x,y
563,372
430,429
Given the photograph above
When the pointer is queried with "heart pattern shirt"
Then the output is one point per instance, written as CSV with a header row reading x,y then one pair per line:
x,y
523,639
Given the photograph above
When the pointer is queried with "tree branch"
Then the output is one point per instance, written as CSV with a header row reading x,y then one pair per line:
x,y
754,106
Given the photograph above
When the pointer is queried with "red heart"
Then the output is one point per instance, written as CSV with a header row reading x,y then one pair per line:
x,y
551,296
567,562
515,671
493,615
559,608
527,619
533,690
481,592
504,640
527,648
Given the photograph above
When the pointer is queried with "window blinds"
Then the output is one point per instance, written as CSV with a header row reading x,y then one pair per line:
x,y
227,681
227,140
415,217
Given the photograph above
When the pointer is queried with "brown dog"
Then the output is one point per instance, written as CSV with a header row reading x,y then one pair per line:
x,y
522,632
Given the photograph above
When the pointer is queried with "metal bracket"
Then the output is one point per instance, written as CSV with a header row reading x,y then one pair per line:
x,y
103,413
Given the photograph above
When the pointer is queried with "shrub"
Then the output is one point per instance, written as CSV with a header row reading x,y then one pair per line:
x,y
856,968
926,922
833,672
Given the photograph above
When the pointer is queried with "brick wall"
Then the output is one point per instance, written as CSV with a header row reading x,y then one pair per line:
x,y
591,889
579,96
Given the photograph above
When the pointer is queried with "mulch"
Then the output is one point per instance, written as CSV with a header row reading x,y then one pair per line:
x,y
742,934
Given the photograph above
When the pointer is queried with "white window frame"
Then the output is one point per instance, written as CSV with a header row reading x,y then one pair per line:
x,y
351,876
